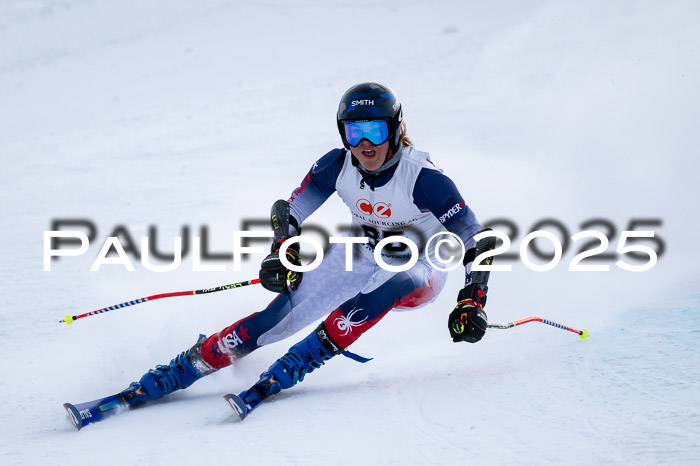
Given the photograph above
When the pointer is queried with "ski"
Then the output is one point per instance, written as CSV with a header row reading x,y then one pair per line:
x,y
238,405
245,402
90,412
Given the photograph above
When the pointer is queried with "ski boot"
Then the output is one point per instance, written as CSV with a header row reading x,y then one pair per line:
x,y
184,370
302,358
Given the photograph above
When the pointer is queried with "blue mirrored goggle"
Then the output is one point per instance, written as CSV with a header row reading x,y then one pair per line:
x,y
375,131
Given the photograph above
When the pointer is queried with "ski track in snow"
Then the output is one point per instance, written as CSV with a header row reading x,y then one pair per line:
x,y
191,115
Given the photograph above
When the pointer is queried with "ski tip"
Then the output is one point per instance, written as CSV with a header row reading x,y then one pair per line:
x,y
74,415
237,404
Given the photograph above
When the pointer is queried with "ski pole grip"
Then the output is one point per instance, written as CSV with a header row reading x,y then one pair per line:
x,y
484,245
279,220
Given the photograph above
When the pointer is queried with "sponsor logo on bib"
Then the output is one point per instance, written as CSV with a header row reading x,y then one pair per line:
x,y
379,209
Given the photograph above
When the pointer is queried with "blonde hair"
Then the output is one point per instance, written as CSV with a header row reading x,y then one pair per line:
x,y
404,140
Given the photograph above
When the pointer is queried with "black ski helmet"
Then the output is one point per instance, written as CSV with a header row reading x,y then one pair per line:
x,y
371,101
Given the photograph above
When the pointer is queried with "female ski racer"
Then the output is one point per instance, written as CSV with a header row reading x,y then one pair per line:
x,y
391,189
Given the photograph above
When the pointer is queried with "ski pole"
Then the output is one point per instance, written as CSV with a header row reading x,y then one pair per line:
x,y
583,333
68,319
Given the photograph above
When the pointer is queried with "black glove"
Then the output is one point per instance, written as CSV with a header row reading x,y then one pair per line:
x,y
474,292
274,276
468,321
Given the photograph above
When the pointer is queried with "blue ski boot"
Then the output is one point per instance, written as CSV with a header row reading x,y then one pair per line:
x,y
184,370
302,358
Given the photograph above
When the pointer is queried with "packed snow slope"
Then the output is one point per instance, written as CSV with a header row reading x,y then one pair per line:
x,y
183,115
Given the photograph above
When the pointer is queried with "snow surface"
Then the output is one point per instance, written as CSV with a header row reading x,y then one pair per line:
x,y
203,113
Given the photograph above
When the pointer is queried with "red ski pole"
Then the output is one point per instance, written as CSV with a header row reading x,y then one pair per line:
x,y
583,333
68,319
